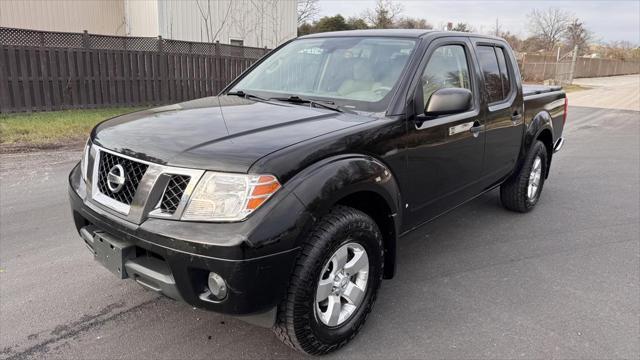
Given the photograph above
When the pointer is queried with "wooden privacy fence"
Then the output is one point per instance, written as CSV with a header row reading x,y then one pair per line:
x,y
42,71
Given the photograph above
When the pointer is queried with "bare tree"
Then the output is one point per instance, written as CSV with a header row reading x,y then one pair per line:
x,y
276,21
308,10
549,25
513,41
205,14
223,22
577,35
384,14
241,20
208,22
620,50
259,25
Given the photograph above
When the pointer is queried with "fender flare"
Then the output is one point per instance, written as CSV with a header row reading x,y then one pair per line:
x,y
323,184
540,122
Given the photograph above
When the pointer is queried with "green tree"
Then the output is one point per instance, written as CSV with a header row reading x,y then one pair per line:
x,y
412,23
356,23
305,29
462,27
331,23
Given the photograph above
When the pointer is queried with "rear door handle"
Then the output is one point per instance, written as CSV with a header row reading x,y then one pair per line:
x,y
476,129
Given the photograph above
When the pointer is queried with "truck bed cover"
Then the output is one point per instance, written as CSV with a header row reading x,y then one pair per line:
x,y
533,89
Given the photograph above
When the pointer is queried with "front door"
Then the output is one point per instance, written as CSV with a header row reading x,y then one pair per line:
x,y
445,153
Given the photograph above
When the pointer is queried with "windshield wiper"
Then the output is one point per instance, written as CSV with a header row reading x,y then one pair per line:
x,y
317,103
245,95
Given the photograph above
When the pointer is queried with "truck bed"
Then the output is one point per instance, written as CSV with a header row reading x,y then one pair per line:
x,y
542,98
534,89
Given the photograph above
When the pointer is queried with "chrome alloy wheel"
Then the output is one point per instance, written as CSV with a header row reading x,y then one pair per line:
x,y
342,284
534,178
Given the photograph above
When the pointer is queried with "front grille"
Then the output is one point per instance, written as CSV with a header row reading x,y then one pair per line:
x,y
133,174
173,193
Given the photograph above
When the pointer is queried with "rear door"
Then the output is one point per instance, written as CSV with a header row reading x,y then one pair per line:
x,y
444,154
503,109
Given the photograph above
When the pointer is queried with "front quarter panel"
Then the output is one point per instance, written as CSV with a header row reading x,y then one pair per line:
x,y
321,186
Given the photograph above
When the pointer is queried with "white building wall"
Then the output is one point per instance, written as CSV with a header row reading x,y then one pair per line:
x,y
259,23
141,17
95,16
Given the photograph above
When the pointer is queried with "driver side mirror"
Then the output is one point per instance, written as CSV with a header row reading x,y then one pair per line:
x,y
448,101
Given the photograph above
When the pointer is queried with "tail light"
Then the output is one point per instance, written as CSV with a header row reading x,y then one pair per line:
x,y
566,107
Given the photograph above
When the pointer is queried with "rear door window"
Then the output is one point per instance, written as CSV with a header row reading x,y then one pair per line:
x,y
504,72
491,71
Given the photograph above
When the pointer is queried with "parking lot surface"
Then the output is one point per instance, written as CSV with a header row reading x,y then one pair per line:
x,y
479,282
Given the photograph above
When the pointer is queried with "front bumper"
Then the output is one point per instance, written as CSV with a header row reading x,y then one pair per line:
x,y
174,258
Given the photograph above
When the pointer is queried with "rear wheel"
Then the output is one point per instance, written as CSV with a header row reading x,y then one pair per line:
x,y
334,284
522,191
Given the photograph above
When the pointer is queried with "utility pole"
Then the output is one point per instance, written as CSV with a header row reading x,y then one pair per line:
x,y
497,27
556,70
573,63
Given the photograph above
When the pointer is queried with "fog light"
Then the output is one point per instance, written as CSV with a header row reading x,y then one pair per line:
x,y
217,286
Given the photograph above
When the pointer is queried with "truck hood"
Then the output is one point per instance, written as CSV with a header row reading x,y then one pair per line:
x,y
226,133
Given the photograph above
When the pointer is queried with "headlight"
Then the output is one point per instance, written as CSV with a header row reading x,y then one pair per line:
x,y
84,163
229,197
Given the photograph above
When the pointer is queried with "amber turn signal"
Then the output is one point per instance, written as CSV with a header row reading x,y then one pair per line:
x,y
266,186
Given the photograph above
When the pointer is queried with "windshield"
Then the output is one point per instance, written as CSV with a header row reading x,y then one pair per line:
x,y
354,71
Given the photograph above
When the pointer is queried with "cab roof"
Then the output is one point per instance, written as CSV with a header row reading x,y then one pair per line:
x,y
414,33
406,33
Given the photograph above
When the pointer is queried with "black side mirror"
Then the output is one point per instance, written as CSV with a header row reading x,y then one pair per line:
x,y
448,101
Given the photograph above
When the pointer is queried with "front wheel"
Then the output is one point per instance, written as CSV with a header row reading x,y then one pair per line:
x,y
334,284
522,190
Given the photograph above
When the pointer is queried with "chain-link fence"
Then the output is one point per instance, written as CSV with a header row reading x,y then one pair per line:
x,y
561,70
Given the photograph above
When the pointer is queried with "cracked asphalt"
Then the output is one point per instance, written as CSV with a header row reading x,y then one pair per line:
x,y
480,282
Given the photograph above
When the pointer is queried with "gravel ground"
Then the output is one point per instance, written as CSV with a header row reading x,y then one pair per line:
x,y
616,92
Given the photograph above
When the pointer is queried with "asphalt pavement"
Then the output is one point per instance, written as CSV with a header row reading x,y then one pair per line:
x,y
480,282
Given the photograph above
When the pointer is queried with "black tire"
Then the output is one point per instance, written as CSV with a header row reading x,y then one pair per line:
x,y
297,324
513,192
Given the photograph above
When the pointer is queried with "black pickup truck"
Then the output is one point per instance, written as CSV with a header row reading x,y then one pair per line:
x,y
280,201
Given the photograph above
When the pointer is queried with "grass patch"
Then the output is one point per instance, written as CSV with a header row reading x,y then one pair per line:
x,y
574,87
53,128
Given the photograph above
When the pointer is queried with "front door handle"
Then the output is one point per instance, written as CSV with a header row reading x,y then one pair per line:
x,y
476,129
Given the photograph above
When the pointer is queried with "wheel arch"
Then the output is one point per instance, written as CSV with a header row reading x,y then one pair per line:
x,y
359,181
539,128
374,205
546,137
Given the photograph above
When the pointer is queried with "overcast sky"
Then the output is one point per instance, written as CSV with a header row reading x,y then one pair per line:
x,y
608,20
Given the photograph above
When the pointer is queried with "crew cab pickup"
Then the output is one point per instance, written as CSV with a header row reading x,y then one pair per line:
x,y
280,201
